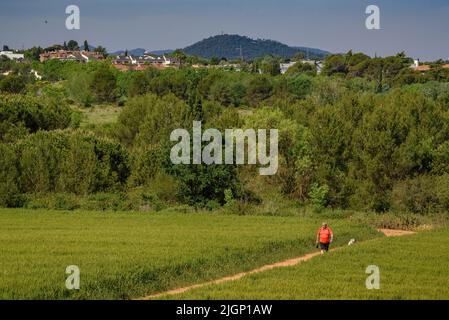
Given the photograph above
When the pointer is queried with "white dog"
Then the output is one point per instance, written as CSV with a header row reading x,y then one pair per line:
x,y
351,242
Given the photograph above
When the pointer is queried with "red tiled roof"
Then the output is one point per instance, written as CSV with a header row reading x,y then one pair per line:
x,y
423,68
69,55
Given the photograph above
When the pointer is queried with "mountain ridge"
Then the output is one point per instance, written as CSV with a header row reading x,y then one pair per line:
x,y
233,46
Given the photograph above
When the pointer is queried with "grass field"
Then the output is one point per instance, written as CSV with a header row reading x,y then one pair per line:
x,y
99,115
411,267
126,255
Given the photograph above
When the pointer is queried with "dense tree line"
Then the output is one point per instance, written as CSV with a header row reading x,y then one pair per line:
x,y
368,133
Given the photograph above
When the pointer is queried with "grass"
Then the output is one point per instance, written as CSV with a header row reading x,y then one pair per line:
x,y
124,255
411,267
99,115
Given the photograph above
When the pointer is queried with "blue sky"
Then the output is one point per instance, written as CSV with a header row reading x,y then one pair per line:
x,y
421,28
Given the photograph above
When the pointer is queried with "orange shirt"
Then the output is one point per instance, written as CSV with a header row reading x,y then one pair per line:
x,y
325,234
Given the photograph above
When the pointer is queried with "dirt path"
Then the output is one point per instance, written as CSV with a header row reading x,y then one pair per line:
x,y
285,263
395,233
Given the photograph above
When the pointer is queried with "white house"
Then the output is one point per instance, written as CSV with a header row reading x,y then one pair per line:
x,y
318,64
12,56
285,66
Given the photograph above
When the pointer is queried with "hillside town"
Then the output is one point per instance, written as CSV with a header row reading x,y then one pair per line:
x,y
67,55
131,63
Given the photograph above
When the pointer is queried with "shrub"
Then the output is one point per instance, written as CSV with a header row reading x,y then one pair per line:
x,y
13,84
8,176
299,86
150,119
259,89
79,89
71,162
423,195
32,114
104,84
318,196
199,184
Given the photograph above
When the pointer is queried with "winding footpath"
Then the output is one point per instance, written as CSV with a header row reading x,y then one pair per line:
x,y
285,263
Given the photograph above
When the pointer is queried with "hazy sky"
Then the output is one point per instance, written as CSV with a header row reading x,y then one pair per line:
x,y
421,28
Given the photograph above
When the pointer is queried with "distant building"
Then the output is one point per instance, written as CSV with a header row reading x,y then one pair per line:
x,y
12,55
419,67
65,55
130,63
424,67
285,66
224,65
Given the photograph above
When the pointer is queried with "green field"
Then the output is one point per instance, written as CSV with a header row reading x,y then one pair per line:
x,y
128,255
411,267
99,115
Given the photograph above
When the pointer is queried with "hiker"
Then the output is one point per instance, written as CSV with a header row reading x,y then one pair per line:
x,y
324,237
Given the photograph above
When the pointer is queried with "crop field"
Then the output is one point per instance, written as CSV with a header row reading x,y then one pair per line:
x,y
128,255
411,267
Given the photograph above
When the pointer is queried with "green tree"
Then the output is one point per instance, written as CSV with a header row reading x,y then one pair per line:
x,y
270,65
32,114
8,176
139,84
299,68
72,45
202,184
335,64
180,55
79,88
259,89
101,50
104,84
298,56
33,53
149,119
13,84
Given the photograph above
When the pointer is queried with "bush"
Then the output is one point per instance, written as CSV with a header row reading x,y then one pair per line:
x,y
31,114
399,221
8,176
13,84
302,68
199,184
423,195
104,84
136,199
149,119
318,196
299,86
71,162
79,89
259,89
147,162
